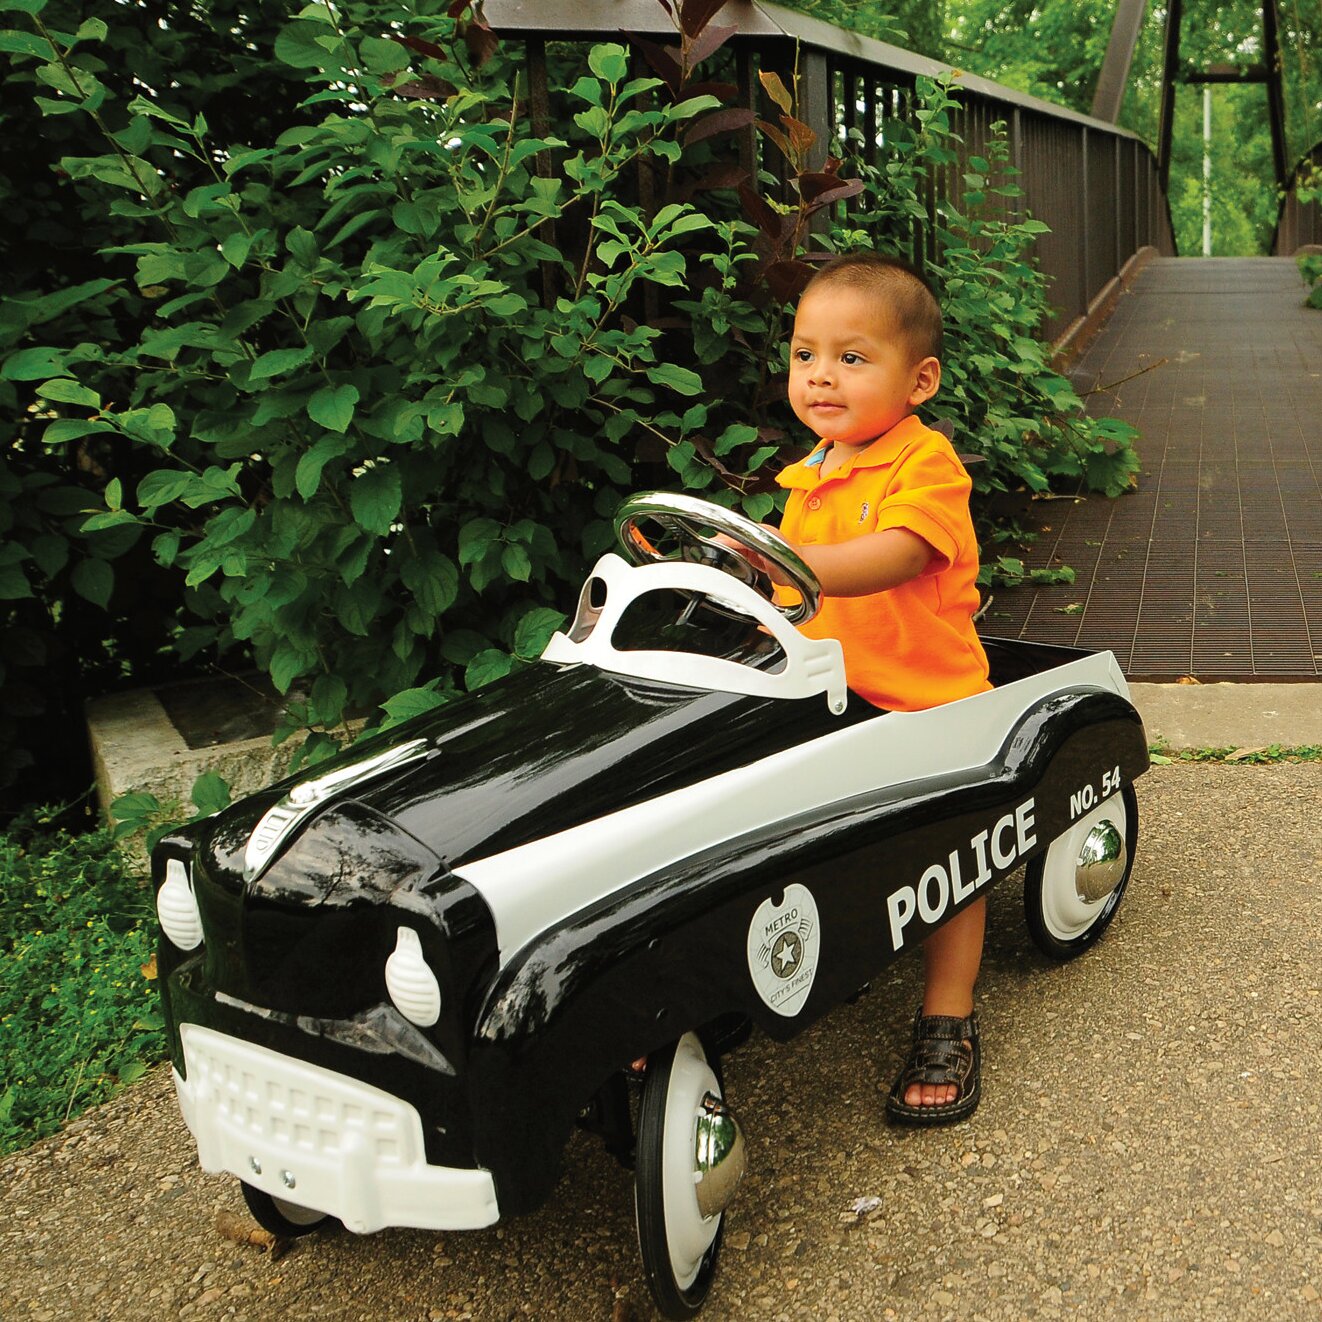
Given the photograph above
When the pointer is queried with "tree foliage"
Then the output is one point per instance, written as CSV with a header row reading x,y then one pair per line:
x,y
360,367
1055,50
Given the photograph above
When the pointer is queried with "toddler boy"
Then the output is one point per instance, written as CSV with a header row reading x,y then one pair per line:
x,y
879,511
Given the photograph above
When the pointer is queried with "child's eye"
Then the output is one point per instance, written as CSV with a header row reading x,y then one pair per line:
x,y
850,359
802,355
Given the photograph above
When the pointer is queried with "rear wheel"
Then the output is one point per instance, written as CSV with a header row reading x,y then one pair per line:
x,y
689,1159
1072,891
288,1220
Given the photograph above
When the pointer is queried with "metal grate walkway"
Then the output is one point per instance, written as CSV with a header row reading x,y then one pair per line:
x,y
1213,568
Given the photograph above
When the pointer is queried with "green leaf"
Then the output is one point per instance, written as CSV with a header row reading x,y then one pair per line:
x,y
163,486
107,519
515,562
299,45
64,391
14,584
26,43
287,663
234,248
307,476
410,703
679,379
433,580
381,55
375,498
487,666
277,361
33,364
210,793
474,538
332,406
609,61
327,699
534,631
93,580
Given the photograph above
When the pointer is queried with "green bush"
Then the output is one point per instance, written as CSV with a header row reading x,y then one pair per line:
x,y
368,373
1310,267
79,1014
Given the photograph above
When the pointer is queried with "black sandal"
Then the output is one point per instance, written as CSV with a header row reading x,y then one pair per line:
x,y
939,1056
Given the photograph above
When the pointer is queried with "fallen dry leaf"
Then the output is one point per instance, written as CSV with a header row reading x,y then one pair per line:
x,y
1188,679
243,1231
1241,753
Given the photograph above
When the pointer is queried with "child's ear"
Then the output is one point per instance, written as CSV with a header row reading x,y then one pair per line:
x,y
926,379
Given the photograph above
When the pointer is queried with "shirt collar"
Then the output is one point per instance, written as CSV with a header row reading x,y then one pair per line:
x,y
804,475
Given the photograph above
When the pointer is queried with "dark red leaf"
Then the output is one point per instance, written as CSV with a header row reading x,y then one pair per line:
x,y
776,136
723,176
661,58
812,183
426,88
694,15
719,121
457,7
482,43
721,91
787,278
720,176
763,216
849,188
427,48
705,44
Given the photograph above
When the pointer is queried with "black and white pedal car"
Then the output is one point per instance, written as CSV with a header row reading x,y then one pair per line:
x,y
394,984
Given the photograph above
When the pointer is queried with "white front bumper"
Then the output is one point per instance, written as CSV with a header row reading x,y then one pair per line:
x,y
321,1140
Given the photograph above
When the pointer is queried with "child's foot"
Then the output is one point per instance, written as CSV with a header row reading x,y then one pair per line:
x,y
941,1080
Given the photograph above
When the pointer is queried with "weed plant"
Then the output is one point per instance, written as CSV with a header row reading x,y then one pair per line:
x,y
78,1011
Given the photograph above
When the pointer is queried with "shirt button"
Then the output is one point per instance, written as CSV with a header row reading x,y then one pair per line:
x,y
814,502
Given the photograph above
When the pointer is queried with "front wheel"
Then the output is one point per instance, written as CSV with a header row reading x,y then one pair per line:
x,y
690,1157
1072,891
288,1220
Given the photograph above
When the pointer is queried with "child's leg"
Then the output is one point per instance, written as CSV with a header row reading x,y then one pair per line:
x,y
951,958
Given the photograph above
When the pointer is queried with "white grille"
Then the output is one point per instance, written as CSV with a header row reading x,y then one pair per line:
x,y
290,1104
319,1139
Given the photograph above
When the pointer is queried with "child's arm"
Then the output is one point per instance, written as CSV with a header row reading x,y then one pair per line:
x,y
863,565
871,563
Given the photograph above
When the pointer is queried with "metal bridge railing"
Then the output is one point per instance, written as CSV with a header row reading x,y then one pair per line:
x,y
1299,222
1093,183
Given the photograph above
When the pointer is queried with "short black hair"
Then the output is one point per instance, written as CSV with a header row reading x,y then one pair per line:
x,y
907,293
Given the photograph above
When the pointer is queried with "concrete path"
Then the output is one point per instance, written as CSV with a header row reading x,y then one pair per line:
x,y
1148,1146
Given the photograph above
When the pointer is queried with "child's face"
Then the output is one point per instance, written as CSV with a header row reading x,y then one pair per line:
x,y
850,378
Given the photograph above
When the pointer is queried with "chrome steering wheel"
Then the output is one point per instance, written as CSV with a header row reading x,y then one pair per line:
x,y
689,521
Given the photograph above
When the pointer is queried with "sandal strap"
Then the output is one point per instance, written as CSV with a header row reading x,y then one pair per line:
x,y
938,1054
930,1027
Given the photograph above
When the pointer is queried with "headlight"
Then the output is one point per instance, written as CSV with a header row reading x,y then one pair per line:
x,y
176,907
411,984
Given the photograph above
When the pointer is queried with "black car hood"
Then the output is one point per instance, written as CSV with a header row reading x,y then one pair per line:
x,y
536,753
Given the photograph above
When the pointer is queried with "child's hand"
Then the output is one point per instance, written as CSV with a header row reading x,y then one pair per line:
x,y
753,557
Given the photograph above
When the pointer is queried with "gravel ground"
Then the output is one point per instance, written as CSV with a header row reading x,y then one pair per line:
x,y
1147,1147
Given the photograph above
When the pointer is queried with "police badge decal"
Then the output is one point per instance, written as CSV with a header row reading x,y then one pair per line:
x,y
783,944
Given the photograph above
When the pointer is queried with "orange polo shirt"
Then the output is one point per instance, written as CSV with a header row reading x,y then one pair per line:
x,y
913,646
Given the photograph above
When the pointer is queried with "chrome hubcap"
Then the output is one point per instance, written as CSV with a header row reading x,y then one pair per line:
x,y
719,1158
1101,862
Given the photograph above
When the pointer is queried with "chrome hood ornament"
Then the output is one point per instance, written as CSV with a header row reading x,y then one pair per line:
x,y
303,799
